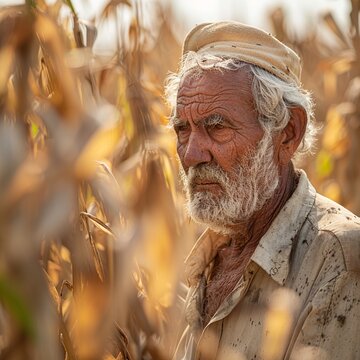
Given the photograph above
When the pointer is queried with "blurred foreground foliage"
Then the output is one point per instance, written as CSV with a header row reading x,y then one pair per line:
x,y
89,224
92,235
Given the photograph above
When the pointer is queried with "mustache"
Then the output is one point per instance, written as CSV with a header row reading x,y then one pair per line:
x,y
208,172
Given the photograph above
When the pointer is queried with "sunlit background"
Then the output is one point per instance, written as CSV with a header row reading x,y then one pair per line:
x,y
93,231
301,15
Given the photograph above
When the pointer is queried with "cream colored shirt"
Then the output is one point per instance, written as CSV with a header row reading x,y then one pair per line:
x,y
312,248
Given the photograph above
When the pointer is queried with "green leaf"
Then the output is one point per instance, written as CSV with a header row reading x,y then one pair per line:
x,y
71,6
34,130
31,3
17,307
324,164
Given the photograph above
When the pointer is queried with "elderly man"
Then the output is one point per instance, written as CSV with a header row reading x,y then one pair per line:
x,y
276,275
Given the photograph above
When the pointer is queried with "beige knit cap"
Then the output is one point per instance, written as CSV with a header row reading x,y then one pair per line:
x,y
246,43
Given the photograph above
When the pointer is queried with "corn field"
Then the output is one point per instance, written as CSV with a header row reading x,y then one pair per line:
x,y
92,228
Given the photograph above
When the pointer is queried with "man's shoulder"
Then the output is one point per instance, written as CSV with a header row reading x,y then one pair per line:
x,y
332,218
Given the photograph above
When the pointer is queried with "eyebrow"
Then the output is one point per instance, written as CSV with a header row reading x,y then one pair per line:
x,y
211,120
175,121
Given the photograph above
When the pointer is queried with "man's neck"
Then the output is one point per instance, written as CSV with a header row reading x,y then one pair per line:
x,y
251,231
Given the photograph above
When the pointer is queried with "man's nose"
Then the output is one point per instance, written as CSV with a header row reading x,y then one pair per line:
x,y
197,150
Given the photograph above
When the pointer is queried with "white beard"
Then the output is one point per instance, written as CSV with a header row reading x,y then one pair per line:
x,y
244,191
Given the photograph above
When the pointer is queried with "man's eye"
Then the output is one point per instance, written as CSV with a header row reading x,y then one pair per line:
x,y
221,132
219,126
216,126
183,132
182,127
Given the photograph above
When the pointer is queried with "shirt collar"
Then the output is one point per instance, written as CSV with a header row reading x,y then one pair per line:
x,y
201,255
273,252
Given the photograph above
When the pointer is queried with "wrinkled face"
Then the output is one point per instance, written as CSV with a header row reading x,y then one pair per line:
x,y
227,161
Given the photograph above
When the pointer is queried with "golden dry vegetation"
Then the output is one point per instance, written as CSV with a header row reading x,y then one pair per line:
x,y
92,232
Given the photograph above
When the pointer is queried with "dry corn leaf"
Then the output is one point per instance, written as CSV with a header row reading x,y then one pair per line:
x,y
28,178
90,320
332,190
89,32
106,167
169,174
12,152
112,5
153,88
330,83
353,91
12,100
52,289
79,59
278,322
42,5
343,65
99,267
158,258
65,254
100,146
6,64
57,208
53,272
56,74
55,8
98,223
335,135
335,28
107,192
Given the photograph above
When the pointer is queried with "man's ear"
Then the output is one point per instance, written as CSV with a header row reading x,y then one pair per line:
x,y
292,134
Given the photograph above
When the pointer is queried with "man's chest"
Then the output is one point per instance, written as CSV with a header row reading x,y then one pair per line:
x,y
254,320
242,323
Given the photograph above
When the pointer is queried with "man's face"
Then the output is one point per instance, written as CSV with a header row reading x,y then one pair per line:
x,y
226,159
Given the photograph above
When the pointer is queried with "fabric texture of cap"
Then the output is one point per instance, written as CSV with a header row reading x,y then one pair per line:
x,y
246,43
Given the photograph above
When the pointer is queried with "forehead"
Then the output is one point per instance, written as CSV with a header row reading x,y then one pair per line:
x,y
207,91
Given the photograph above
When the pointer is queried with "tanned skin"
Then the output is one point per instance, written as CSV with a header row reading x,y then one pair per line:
x,y
228,93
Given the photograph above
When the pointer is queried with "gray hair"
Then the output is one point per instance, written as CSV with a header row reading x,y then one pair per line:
x,y
273,97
